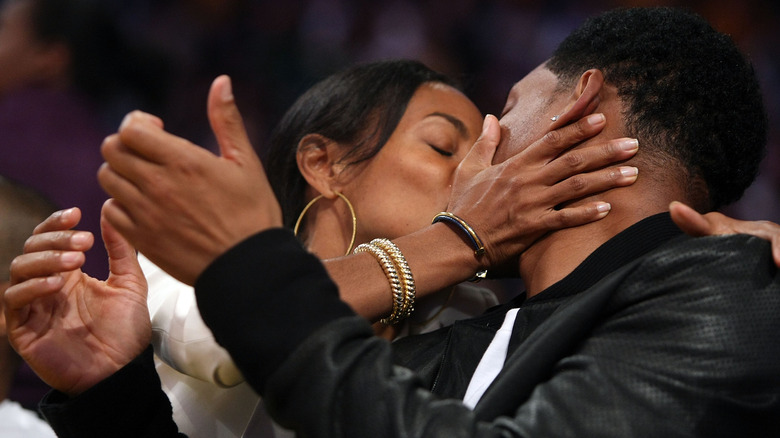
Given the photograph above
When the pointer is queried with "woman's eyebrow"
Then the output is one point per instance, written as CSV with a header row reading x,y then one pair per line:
x,y
459,125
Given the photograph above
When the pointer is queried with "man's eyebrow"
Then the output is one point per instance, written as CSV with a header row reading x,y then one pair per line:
x,y
459,125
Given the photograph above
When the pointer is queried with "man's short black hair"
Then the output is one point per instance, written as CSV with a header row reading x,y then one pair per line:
x,y
689,93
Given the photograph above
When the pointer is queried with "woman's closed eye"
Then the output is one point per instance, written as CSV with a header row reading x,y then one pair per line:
x,y
447,152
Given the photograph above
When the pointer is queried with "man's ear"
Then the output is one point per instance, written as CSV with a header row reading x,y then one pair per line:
x,y
317,158
584,100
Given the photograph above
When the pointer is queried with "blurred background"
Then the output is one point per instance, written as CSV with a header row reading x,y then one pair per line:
x,y
276,49
70,69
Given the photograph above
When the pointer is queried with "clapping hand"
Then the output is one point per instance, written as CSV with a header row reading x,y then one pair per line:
x,y
72,329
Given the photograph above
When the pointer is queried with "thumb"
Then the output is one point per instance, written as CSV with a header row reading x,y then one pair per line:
x,y
122,258
481,154
689,220
226,121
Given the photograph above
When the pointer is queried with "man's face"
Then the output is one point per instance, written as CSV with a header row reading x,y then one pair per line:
x,y
527,113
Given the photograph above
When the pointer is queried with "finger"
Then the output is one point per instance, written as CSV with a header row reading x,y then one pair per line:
x,y
480,156
119,219
485,147
558,140
589,158
66,240
587,184
226,121
122,258
19,296
44,264
143,135
575,216
59,220
125,162
689,220
121,189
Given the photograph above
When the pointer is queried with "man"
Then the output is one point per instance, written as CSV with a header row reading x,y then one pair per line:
x,y
21,209
626,328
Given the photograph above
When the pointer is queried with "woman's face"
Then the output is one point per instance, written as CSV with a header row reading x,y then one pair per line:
x,y
409,180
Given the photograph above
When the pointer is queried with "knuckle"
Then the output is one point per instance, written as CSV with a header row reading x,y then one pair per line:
x,y
580,129
609,150
109,143
185,167
573,159
613,175
559,219
14,266
29,244
553,138
577,183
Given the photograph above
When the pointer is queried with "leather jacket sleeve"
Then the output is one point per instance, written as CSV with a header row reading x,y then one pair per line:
x,y
680,344
128,404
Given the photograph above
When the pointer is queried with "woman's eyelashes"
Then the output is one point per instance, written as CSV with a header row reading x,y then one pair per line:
x,y
447,152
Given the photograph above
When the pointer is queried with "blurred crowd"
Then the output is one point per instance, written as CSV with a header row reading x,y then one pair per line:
x,y
274,50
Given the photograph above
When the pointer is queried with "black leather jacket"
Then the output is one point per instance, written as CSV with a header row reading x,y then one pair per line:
x,y
679,341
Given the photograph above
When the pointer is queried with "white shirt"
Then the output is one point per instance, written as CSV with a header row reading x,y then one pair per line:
x,y
209,396
17,422
207,392
492,361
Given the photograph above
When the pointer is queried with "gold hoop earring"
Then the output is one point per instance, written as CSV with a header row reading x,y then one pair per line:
x,y
351,211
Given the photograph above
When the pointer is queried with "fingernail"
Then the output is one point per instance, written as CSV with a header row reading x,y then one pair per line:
x,y
80,238
603,206
596,119
485,124
65,213
629,144
629,171
69,257
227,90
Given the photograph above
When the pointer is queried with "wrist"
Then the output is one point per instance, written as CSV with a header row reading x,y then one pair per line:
x,y
439,256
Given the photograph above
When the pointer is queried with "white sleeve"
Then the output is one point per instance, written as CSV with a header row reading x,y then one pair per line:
x,y
179,335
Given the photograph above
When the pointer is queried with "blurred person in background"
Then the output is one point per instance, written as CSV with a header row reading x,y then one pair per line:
x,y
65,73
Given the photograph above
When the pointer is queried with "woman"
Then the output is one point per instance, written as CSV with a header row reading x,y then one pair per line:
x,y
367,153
385,138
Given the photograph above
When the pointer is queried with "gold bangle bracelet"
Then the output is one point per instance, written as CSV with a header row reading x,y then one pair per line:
x,y
402,266
392,276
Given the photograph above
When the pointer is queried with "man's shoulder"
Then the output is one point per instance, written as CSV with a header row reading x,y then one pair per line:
x,y
735,257
708,289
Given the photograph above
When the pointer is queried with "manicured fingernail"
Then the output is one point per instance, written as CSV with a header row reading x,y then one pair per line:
x,y
69,257
227,91
629,171
63,214
485,124
80,238
596,119
629,144
603,206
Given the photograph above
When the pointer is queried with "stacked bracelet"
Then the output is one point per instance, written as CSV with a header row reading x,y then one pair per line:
x,y
476,242
393,261
404,272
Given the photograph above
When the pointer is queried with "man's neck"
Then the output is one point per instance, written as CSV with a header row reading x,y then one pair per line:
x,y
556,255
